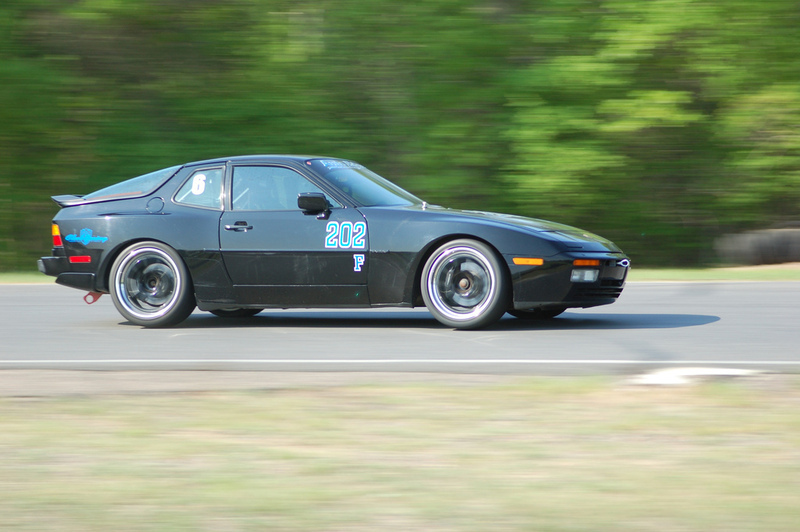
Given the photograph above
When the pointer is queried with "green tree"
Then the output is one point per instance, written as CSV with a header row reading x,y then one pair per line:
x,y
660,124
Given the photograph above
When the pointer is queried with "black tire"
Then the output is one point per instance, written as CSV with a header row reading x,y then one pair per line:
x,y
150,285
235,312
537,313
465,285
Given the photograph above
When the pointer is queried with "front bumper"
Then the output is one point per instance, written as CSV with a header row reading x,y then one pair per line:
x,y
550,286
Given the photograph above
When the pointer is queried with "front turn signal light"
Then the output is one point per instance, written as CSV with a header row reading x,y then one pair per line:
x,y
586,262
56,232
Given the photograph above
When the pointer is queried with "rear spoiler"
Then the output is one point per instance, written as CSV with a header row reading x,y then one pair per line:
x,y
68,200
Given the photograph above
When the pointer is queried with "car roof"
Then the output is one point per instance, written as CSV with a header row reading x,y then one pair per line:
x,y
259,159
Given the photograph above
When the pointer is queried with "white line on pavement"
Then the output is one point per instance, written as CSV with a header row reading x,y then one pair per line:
x,y
62,362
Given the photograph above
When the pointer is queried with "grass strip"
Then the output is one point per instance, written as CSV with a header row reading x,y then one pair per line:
x,y
555,454
25,278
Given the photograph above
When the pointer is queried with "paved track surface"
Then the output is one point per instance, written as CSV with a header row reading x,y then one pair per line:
x,y
49,329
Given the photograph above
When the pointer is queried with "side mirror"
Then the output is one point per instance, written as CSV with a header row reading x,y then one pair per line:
x,y
314,203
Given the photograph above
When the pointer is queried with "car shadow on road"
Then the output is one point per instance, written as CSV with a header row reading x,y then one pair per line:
x,y
365,319
578,321
362,319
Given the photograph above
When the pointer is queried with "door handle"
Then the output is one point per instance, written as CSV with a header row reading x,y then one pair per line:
x,y
239,227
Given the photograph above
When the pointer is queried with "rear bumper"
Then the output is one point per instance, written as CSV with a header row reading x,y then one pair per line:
x,y
53,265
59,267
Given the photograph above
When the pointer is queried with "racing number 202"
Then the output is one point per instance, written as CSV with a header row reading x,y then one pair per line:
x,y
346,235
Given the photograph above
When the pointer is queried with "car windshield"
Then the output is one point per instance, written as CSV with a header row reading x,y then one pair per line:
x,y
138,186
366,187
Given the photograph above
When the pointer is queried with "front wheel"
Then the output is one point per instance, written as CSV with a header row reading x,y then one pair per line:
x,y
465,285
150,285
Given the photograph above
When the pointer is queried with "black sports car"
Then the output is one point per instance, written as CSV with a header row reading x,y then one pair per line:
x,y
236,235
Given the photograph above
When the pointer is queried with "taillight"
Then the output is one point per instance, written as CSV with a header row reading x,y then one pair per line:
x,y
57,242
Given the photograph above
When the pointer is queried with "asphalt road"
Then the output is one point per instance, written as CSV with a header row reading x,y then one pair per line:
x,y
750,325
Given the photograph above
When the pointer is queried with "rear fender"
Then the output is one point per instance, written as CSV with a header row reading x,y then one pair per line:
x,y
103,281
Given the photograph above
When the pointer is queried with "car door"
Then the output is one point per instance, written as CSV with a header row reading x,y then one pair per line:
x,y
279,256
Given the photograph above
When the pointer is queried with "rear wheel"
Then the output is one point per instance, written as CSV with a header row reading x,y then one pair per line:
x,y
150,285
235,312
465,285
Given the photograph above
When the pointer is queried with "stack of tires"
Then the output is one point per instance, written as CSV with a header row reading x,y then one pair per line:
x,y
768,246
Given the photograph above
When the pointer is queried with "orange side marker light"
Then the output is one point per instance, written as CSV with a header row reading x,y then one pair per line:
x,y
526,261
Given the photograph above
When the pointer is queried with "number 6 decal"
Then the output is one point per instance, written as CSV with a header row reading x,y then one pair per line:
x,y
347,235
199,184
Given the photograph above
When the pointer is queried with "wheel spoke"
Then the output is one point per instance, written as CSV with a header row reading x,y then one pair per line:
x,y
149,283
462,282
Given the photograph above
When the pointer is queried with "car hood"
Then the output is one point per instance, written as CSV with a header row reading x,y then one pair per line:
x,y
568,236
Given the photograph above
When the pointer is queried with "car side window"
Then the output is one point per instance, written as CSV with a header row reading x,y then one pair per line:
x,y
268,188
202,189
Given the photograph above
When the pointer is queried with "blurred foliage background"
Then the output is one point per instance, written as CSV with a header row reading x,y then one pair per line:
x,y
660,124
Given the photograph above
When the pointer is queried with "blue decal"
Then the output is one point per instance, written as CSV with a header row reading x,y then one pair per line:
x,y
359,231
332,165
332,238
85,237
359,262
346,235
